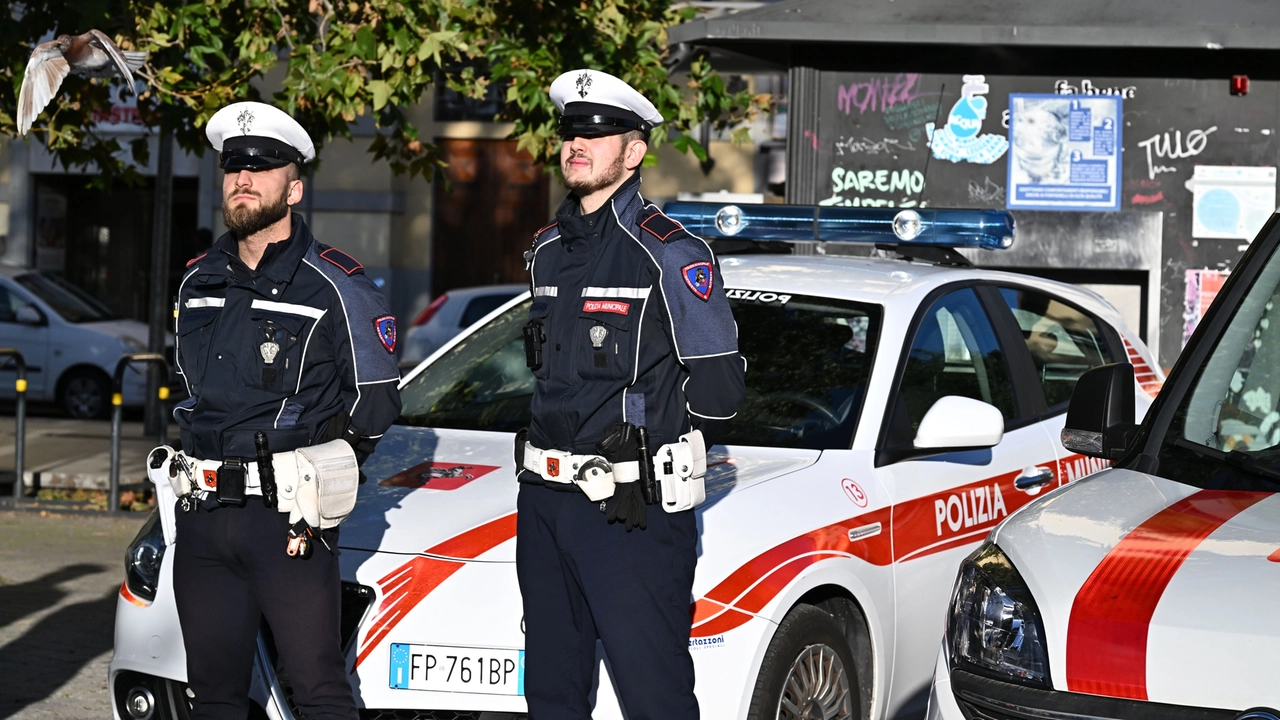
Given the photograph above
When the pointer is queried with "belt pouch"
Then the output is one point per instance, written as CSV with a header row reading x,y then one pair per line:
x,y
231,482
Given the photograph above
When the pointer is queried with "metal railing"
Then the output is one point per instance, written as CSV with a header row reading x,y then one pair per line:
x,y
20,416
117,416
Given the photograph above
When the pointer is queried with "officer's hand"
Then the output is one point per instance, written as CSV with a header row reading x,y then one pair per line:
x,y
627,506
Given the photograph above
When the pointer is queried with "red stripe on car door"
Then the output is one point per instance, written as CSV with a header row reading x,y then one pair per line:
x,y
1111,614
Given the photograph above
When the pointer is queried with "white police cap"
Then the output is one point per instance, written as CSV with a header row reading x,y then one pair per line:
x,y
594,103
257,136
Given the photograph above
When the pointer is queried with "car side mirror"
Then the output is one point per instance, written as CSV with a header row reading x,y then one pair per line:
x,y
960,423
28,315
1100,416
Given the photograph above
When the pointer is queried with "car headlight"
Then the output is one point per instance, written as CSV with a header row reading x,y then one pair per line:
x,y
994,627
142,559
131,344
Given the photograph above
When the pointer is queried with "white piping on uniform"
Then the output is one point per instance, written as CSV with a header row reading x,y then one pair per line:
x,y
355,367
177,356
303,362
691,412
698,357
288,308
204,302
676,343
635,293
379,382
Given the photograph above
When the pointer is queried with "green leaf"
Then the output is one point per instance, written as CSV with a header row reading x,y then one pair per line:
x,y
380,92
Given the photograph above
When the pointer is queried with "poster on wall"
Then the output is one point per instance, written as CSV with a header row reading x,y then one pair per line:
x,y
1231,202
1064,152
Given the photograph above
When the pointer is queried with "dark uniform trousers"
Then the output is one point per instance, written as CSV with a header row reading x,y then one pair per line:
x,y
585,579
231,572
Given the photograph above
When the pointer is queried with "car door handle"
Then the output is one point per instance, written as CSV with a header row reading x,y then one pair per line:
x,y
1033,477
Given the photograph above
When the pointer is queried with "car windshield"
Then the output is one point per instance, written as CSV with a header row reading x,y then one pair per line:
x,y
69,301
1226,432
808,359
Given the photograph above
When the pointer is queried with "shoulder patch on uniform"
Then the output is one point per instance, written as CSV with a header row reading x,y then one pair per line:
x,y
196,259
345,262
386,327
698,276
661,226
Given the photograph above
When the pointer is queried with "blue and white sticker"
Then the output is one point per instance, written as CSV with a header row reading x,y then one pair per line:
x,y
386,327
699,279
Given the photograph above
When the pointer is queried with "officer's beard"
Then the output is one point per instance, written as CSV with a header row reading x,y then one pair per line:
x,y
246,220
585,186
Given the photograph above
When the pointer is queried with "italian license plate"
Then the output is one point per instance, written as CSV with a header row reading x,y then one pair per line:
x,y
443,668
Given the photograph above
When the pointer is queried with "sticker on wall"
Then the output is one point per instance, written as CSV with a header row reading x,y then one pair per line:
x,y
961,139
1231,203
1064,152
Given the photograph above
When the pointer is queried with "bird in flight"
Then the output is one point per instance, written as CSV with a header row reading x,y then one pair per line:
x,y
92,54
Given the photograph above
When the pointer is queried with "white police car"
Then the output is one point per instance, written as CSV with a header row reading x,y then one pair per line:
x,y
896,411
1149,590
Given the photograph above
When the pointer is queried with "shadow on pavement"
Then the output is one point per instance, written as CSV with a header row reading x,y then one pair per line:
x,y
54,651
20,600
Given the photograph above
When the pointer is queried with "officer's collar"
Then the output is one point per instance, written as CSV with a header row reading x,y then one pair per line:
x,y
280,260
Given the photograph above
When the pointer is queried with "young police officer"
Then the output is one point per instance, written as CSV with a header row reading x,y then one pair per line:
x,y
635,353
287,349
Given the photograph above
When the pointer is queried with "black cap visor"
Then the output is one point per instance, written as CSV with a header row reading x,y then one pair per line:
x,y
598,126
250,152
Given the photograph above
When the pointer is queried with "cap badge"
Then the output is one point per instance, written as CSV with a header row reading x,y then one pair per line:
x,y
598,333
245,120
269,351
583,84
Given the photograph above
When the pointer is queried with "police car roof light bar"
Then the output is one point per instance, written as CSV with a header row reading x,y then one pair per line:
x,y
989,229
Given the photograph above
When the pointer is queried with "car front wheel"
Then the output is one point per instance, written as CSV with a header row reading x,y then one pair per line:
x,y
85,394
808,671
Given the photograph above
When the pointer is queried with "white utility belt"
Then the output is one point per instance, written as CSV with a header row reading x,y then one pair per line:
x,y
317,483
679,468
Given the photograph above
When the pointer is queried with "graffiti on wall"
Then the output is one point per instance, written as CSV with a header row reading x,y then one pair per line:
x,y
961,139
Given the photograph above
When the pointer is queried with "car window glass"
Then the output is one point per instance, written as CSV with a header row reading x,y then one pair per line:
x,y
954,352
69,301
808,359
1226,431
10,303
481,384
1063,341
481,306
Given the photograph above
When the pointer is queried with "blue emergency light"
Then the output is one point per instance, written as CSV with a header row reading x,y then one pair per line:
x,y
990,229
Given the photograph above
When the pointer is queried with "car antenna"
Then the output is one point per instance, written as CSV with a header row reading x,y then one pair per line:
x,y
929,145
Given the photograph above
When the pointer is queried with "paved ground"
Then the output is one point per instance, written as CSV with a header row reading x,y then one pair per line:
x,y
65,453
59,576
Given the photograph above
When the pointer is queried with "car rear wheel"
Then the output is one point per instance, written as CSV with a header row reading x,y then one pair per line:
x,y
85,394
808,671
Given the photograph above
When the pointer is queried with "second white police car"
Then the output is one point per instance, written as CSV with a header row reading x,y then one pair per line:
x,y
1150,589
897,409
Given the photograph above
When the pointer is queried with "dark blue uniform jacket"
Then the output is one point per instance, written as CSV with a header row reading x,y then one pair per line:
x,y
321,322
652,295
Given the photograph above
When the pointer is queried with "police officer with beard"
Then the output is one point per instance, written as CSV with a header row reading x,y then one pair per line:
x,y
635,355
287,349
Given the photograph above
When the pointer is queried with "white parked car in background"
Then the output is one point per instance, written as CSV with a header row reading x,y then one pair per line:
x,y
449,314
1148,590
895,412
70,342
